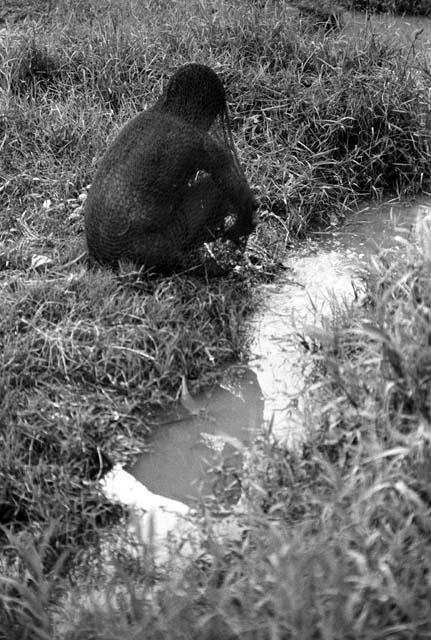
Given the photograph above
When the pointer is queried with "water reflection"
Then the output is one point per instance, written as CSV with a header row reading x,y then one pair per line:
x,y
373,228
187,453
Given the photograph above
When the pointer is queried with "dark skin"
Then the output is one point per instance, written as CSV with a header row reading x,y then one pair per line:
x,y
146,204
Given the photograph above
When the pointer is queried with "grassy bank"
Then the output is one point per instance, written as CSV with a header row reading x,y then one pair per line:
x,y
321,120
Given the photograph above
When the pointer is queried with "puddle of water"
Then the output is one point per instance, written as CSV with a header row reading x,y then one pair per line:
x,y
184,448
374,228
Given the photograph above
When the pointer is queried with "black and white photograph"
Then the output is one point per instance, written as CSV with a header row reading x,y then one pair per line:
x,y
215,320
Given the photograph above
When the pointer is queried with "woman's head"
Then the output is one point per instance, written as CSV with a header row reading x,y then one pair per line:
x,y
196,94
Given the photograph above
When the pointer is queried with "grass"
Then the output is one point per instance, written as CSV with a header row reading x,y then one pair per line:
x,y
321,120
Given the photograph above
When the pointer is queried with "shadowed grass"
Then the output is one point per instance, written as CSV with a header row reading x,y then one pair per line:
x,y
402,7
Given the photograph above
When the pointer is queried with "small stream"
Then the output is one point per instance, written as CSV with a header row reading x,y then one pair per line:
x,y
183,448
197,454
325,268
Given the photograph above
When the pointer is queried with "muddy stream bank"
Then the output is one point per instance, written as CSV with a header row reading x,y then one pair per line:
x,y
189,447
